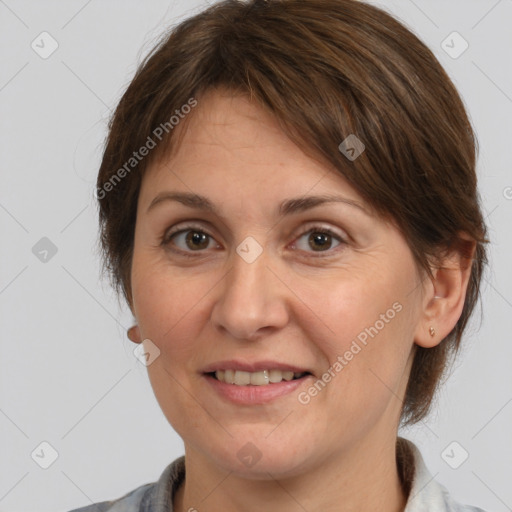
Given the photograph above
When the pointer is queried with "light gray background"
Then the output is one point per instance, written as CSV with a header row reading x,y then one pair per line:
x,y
68,373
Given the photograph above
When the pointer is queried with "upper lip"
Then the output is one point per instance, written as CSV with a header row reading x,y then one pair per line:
x,y
254,366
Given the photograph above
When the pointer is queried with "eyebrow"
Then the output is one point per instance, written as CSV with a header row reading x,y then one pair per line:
x,y
287,207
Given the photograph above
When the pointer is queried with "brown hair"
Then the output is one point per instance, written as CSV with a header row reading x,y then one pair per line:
x,y
325,70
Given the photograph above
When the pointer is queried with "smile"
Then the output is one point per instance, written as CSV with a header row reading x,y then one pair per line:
x,y
260,378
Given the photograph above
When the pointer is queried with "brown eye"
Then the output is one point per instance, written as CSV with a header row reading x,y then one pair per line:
x,y
188,240
191,240
196,240
319,240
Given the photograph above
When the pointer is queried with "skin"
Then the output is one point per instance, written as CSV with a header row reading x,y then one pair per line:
x,y
300,301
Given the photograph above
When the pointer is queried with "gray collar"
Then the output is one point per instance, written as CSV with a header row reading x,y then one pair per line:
x,y
424,493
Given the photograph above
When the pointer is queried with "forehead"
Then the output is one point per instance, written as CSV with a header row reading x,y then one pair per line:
x,y
231,144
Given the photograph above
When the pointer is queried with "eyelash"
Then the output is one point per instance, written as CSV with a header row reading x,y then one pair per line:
x,y
166,239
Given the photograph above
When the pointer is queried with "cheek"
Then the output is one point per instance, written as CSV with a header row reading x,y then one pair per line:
x,y
170,312
170,308
160,305
362,307
371,336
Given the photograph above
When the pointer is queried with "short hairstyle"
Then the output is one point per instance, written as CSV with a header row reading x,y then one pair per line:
x,y
324,70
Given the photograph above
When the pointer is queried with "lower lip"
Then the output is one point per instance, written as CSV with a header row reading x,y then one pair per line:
x,y
253,395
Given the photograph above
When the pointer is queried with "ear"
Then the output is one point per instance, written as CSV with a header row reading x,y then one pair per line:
x,y
134,334
445,294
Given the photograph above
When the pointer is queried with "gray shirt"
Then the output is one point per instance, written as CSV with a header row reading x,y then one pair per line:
x,y
424,493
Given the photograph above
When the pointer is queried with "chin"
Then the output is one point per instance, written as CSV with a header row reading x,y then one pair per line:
x,y
260,460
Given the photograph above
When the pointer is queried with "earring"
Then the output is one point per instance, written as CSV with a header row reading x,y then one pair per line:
x,y
432,331
132,334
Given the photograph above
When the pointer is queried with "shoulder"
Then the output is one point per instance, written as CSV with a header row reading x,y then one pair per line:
x,y
426,494
152,497
130,502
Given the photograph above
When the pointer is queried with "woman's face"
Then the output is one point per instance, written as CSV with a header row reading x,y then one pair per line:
x,y
320,287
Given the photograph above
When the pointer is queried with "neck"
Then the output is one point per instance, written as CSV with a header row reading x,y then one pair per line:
x,y
363,477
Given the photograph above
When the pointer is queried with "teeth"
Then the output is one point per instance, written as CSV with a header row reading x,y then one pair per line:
x,y
261,378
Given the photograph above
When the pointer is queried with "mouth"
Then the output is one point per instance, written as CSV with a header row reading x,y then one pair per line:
x,y
259,378
256,387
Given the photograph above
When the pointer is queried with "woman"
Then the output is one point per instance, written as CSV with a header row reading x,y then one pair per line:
x,y
288,203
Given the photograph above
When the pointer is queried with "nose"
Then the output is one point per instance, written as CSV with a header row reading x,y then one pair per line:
x,y
252,299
